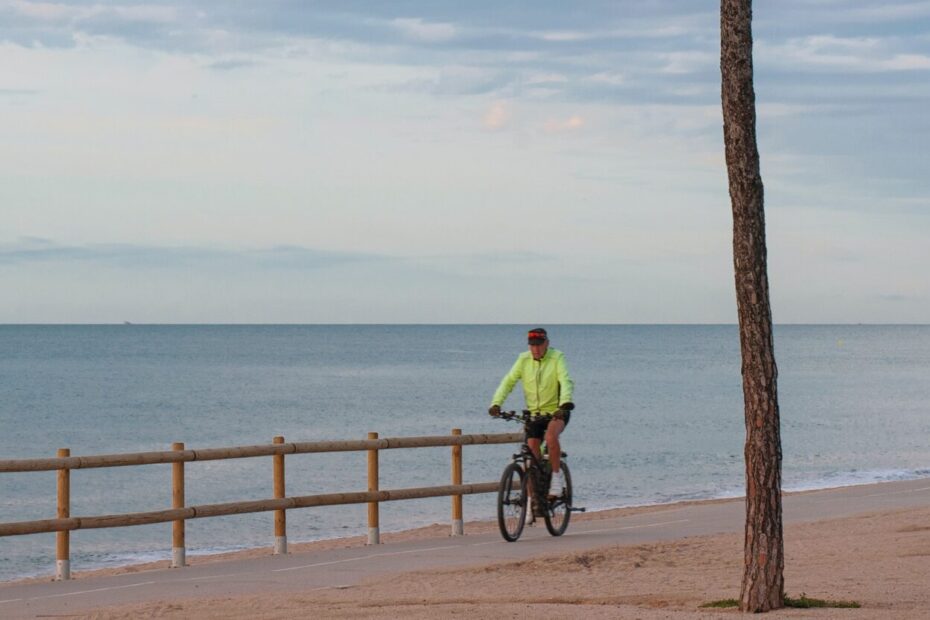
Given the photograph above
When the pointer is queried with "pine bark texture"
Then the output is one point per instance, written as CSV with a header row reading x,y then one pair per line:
x,y
763,576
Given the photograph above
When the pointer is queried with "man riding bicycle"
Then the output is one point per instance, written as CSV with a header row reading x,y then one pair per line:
x,y
548,389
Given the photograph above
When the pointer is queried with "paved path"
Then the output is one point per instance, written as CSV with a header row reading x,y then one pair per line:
x,y
304,572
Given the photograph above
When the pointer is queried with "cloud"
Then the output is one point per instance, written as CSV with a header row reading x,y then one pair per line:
x,y
545,78
564,36
47,11
907,62
428,32
610,78
38,250
18,92
644,29
232,64
689,61
59,12
847,54
571,123
492,265
782,110
901,298
498,116
466,80
867,12
455,80
62,25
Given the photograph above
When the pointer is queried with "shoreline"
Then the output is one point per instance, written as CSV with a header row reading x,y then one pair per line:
x,y
433,531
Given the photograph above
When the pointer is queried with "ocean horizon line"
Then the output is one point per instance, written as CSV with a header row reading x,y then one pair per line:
x,y
441,324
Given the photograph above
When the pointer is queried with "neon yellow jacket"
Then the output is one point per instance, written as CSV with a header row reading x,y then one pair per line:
x,y
546,383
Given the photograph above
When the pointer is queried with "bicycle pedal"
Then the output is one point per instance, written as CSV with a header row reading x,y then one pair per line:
x,y
579,509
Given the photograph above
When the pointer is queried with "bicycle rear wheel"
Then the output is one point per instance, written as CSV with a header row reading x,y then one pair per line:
x,y
511,502
560,508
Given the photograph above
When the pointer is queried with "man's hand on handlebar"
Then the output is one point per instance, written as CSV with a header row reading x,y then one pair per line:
x,y
494,411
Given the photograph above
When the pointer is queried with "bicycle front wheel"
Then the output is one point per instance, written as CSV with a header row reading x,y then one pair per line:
x,y
511,502
560,508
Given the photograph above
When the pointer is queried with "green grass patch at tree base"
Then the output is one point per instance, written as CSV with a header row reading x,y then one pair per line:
x,y
803,602
806,603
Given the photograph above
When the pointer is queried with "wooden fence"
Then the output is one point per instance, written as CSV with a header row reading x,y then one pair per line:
x,y
63,463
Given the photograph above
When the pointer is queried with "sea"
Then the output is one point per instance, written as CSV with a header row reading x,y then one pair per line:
x,y
659,419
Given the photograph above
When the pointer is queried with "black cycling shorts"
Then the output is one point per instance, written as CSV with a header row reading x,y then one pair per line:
x,y
536,429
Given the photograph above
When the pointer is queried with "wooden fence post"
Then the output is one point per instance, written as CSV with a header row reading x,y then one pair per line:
x,y
458,525
374,530
178,548
63,539
280,517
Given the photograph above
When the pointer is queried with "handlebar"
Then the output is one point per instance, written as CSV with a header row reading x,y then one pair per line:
x,y
525,417
513,415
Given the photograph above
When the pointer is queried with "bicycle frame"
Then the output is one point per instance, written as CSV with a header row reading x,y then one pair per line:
x,y
535,466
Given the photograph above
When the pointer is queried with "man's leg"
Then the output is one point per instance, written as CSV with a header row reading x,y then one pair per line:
x,y
535,445
553,431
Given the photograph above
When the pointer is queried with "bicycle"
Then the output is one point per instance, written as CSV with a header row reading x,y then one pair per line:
x,y
513,492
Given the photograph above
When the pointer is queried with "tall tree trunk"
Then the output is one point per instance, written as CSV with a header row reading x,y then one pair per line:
x,y
763,575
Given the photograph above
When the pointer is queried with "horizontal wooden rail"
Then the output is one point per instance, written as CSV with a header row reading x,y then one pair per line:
x,y
235,508
238,452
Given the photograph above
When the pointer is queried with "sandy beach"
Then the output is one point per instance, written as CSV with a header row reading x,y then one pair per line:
x,y
880,560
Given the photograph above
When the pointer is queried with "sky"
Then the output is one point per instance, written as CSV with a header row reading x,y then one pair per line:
x,y
454,162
